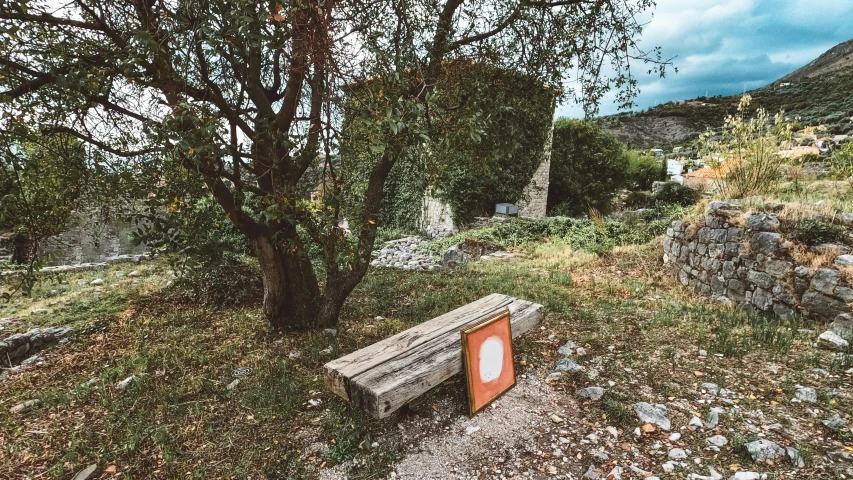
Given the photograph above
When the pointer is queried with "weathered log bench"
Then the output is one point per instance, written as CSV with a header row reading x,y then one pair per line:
x,y
390,373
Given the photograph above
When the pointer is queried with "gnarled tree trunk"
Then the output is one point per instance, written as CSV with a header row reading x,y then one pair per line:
x,y
291,294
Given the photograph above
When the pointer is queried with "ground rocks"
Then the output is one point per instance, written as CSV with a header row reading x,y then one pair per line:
x,y
566,365
830,341
590,393
16,348
24,406
406,253
654,415
764,450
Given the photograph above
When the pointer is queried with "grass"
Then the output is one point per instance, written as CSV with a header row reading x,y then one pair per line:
x,y
179,419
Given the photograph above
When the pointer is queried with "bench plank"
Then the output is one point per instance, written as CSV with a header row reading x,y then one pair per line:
x,y
385,376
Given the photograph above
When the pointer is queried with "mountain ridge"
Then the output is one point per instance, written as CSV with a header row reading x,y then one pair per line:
x,y
819,93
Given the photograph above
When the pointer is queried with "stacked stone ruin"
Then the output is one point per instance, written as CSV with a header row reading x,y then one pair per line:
x,y
750,266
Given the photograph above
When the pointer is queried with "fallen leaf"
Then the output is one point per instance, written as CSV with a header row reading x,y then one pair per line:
x,y
648,428
698,373
110,469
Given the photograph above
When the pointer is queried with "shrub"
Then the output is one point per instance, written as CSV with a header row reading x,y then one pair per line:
x,y
672,193
588,166
229,282
815,232
635,200
643,171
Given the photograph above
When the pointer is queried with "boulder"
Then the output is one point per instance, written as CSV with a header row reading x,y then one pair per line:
x,y
823,305
843,326
844,260
831,341
453,256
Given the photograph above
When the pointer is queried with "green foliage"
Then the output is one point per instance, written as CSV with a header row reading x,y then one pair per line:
x,y
482,153
644,170
842,161
582,234
745,152
588,166
635,200
230,281
816,231
41,181
672,193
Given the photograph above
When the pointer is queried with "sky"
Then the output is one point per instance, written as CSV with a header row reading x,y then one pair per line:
x,y
725,47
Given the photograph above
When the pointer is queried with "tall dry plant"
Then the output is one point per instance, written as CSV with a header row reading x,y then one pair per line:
x,y
745,154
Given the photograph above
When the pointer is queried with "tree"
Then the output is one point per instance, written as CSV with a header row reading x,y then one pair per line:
x,y
644,170
41,181
588,166
245,95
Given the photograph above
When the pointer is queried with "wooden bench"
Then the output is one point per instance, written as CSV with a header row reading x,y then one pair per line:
x,y
385,376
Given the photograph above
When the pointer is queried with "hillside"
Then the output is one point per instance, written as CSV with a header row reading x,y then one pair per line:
x,y
820,93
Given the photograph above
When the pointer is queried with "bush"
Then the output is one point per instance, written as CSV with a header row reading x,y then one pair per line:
x,y
232,281
672,193
588,166
643,171
815,232
635,200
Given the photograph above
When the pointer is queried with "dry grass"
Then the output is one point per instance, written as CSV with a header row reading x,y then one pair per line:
x,y
802,255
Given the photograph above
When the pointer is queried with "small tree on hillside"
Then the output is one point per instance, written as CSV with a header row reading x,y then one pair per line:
x,y
588,166
245,95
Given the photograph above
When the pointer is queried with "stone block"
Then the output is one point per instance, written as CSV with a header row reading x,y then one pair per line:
x,y
704,235
736,290
702,249
778,268
732,249
716,250
762,299
823,306
718,235
844,293
733,234
783,292
762,222
718,285
825,280
783,311
765,242
729,269
760,279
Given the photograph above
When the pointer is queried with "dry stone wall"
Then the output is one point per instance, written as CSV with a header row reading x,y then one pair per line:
x,y
750,266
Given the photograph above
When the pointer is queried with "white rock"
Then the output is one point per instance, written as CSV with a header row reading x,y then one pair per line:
x,y
745,476
86,473
231,386
23,406
119,273
718,440
806,394
122,385
674,437
831,341
82,281
472,429
668,467
653,415
696,422
97,281
677,454
39,311
134,273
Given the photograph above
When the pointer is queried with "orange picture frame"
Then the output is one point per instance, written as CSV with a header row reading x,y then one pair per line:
x,y
488,357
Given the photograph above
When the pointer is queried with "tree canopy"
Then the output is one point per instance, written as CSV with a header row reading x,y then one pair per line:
x,y
247,96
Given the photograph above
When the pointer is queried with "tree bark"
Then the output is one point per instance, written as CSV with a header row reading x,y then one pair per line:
x,y
291,293
20,250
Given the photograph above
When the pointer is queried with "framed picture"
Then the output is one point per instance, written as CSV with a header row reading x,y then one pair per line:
x,y
487,352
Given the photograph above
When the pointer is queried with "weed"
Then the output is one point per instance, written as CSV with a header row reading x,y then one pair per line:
x,y
616,411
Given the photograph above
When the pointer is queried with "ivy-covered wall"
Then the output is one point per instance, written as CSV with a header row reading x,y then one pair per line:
x,y
493,133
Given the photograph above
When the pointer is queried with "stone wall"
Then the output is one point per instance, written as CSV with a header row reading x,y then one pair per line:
x,y
748,265
87,240
534,202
